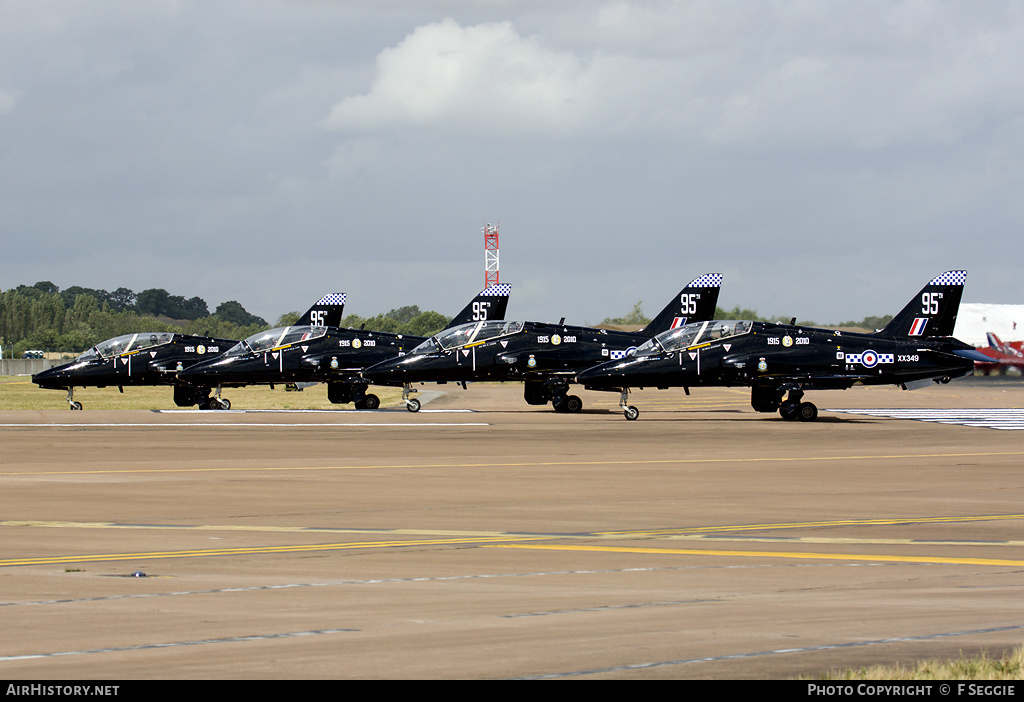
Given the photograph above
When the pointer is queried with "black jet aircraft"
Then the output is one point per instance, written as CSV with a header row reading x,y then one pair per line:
x,y
914,349
155,358
545,356
307,353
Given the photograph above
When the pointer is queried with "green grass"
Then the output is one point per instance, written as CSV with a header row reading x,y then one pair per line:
x,y
20,393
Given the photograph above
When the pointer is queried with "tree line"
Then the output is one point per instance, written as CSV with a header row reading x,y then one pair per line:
x,y
42,316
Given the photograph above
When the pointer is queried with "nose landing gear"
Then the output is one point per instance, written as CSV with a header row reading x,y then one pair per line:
x,y
71,400
629,411
411,403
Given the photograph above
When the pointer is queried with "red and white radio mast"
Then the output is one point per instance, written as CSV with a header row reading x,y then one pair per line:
x,y
490,255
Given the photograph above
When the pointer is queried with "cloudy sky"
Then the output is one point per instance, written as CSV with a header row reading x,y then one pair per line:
x,y
828,157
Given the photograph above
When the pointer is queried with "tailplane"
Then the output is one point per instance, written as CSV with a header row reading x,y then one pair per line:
x,y
694,303
933,311
489,304
325,312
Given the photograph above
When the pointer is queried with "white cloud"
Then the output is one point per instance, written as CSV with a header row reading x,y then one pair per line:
x,y
485,75
770,77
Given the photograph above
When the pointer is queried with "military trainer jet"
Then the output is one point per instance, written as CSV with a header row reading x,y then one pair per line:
x,y
306,353
774,359
545,356
154,358
1000,355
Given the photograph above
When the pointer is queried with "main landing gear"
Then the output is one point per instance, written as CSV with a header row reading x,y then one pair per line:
x,y
567,403
792,408
341,393
555,391
767,399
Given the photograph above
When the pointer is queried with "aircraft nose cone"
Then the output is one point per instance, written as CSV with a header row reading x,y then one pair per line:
x,y
43,376
51,377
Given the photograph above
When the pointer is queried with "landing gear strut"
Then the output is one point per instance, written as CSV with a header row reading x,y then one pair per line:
x,y
411,403
216,402
630,412
71,400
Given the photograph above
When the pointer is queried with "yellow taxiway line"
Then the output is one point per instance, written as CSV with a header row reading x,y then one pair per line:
x,y
526,464
486,539
943,560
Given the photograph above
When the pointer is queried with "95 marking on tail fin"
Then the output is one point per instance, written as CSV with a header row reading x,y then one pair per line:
x,y
930,302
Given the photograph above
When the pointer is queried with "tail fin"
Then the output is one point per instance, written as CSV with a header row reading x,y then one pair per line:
x,y
325,312
933,311
994,342
489,304
695,303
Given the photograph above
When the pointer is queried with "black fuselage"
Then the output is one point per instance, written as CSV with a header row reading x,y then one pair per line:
x,y
156,365
533,352
336,355
786,357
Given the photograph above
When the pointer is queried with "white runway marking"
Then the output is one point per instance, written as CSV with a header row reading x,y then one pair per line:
x,y
302,411
174,644
291,425
776,652
1007,419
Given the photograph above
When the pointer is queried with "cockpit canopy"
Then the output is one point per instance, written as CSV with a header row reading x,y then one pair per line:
x,y
129,343
693,334
464,334
275,339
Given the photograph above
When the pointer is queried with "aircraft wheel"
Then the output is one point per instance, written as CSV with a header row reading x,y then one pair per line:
x,y
225,404
573,404
631,413
76,405
807,412
789,409
413,405
367,402
558,403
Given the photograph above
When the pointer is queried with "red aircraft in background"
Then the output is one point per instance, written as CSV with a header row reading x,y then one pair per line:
x,y
1003,354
